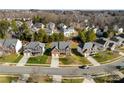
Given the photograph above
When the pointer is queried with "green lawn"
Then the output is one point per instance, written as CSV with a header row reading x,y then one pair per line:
x,y
7,79
105,56
13,58
38,60
106,79
72,80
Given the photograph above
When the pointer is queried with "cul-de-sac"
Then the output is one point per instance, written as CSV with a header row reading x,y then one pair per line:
x,y
61,46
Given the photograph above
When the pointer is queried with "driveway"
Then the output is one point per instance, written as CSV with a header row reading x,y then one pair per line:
x,y
93,61
54,61
23,61
55,64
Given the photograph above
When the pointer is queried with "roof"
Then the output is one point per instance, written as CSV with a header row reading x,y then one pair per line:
x,y
8,42
61,45
33,45
87,45
101,41
38,25
111,44
114,39
121,35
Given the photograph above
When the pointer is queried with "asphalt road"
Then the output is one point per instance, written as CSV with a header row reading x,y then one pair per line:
x,y
65,71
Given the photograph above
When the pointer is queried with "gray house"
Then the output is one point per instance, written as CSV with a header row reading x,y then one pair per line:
x,y
87,49
61,47
34,48
102,44
50,28
8,46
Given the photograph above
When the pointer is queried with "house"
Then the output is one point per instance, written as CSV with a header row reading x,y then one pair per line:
x,y
87,49
120,30
50,28
60,47
62,26
102,43
8,46
117,40
39,25
34,48
68,31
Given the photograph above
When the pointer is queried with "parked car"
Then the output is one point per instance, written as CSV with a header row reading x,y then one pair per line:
x,y
84,67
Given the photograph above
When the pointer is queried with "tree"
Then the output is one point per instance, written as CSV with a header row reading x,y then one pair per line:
x,y
14,26
4,25
36,19
61,36
50,38
82,36
40,35
90,36
105,34
55,36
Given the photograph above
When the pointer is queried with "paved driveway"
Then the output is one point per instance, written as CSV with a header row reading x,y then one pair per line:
x,y
55,61
93,61
55,64
23,61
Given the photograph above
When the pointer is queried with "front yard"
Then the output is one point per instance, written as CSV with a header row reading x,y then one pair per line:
x,y
12,58
38,60
74,59
104,57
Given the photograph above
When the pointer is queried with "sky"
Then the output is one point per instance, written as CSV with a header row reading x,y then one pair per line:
x,y
63,4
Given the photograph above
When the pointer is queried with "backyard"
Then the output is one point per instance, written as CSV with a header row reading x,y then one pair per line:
x,y
12,58
104,57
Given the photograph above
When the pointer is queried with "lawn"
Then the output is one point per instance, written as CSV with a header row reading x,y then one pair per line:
x,y
105,56
7,79
13,58
106,79
38,60
72,80
40,79
75,58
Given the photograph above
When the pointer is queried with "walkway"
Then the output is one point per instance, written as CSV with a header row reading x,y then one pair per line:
x,y
55,64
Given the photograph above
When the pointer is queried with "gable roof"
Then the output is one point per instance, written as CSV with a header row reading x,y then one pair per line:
x,y
8,42
61,45
33,45
88,45
101,41
121,35
114,39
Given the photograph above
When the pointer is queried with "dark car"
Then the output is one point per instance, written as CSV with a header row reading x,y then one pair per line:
x,y
84,67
